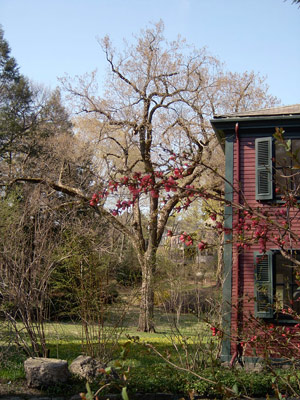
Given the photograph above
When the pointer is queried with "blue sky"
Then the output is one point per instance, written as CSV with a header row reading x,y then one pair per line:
x,y
49,38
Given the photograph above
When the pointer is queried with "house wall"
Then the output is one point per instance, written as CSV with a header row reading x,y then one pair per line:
x,y
243,263
249,126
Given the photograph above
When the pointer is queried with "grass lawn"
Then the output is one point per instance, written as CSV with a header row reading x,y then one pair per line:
x,y
148,373
65,342
65,338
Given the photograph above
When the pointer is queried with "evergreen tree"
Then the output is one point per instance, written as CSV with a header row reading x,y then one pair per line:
x,y
15,101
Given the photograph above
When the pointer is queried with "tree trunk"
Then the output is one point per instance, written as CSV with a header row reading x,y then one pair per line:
x,y
146,323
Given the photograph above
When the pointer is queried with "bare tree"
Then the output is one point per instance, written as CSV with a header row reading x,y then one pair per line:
x,y
155,138
29,237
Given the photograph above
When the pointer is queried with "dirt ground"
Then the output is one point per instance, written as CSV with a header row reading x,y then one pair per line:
x,y
17,388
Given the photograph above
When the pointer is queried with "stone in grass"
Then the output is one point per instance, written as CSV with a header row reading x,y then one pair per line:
x,y
86,367
11,398
43,372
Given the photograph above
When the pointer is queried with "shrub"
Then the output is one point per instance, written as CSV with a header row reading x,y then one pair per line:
x,y
128,272
242,381
157,379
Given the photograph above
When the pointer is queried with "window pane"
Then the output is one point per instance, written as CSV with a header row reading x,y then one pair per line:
x,y
279,278
296,298
282,159
282,180
296,181
279,297
296,152
287,291
284,282
285,177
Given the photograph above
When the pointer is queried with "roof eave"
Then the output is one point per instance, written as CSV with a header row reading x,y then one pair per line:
x,y
223,118
222,124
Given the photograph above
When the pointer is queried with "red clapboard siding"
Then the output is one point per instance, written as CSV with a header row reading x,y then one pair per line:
x,y
244,291
247,168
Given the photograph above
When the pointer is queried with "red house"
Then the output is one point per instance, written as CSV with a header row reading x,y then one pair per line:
x,y
259,282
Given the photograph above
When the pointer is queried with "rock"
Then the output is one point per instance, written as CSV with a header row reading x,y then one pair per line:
x,y
158,396
86,367
226,364
11,398
254,367
76,397
42,372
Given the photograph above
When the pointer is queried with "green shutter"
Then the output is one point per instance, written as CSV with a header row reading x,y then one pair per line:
x,y
263,161
263,284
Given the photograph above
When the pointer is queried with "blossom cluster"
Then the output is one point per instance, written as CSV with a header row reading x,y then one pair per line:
x,y
261,226
215,331
152,183
186,239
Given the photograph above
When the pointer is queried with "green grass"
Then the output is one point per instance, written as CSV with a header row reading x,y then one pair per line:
x,y
148,372
65,342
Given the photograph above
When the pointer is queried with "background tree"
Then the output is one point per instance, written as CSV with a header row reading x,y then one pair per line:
x,y
154,129
36,139
29,236
15,99
29,116
155,139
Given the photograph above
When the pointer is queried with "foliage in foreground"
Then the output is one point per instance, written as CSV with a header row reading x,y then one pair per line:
x,y
147,373
161,378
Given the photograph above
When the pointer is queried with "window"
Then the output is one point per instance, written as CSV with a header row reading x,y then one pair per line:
x,y
286,167
276,287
